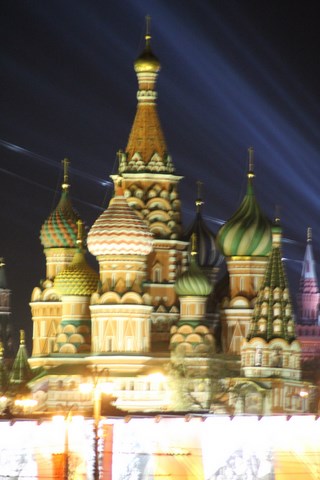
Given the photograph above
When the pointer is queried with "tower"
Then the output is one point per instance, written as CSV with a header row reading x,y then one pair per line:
x,y
245,241
120,311
192,342
271,353
150,186
308,296
308,300
59,238
5,315
75,285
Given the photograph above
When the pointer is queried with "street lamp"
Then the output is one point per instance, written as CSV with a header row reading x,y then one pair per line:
x,y
64,421
97,388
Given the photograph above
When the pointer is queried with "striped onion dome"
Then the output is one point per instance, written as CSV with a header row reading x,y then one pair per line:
x,y
119,231
60,229
78,278
248,231
193,282
208,254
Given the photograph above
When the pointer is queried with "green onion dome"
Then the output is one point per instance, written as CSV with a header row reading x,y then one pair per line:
x,y
248,231
60,229
78,278
193,282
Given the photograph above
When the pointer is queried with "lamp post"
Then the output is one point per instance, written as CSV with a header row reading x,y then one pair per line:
x,y
64,421
97,388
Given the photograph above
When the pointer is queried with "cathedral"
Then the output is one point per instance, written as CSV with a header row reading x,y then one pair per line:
x,y
176,319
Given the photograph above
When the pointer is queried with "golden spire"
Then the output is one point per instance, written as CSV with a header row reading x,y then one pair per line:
x,y
251,163
194,244
199,201
309,234
66,163
22,337
2,264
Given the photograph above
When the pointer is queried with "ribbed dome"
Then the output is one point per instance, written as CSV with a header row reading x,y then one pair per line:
x,y
60,229
208,254
248,232
78,278
193,282
119,231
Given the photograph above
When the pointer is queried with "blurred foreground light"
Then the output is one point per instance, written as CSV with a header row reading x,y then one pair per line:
x,y
26,403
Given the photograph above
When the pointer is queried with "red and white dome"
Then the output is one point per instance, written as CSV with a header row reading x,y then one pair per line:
x,y
119,231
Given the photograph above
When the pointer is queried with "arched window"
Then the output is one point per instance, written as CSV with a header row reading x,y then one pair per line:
x,y
157,273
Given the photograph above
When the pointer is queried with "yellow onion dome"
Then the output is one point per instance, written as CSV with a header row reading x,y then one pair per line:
x,y
248,231
119,231
78,278
193,282
60,229
147,61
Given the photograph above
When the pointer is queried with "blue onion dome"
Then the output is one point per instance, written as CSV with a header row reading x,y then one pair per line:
x,y
60,229
248,231
193,282
78,278
208,254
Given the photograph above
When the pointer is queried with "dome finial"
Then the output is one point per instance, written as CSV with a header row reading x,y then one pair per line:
x,y
277,215
148,28
80,235
194,244
22,337
251,163
199,201
66,163
309,234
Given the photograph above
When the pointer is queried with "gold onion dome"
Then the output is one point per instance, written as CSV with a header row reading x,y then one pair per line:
x,y
147,61
78,278
248,231
193,282
119,231
60,229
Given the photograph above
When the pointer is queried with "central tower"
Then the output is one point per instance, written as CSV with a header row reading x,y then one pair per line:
x,y
150,186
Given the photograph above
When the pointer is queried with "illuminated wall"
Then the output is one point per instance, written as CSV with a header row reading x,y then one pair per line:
x,y
209,448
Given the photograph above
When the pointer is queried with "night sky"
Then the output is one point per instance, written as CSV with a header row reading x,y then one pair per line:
x,y
234,74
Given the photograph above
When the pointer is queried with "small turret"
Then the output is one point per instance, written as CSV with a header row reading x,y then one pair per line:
x,y
21,372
